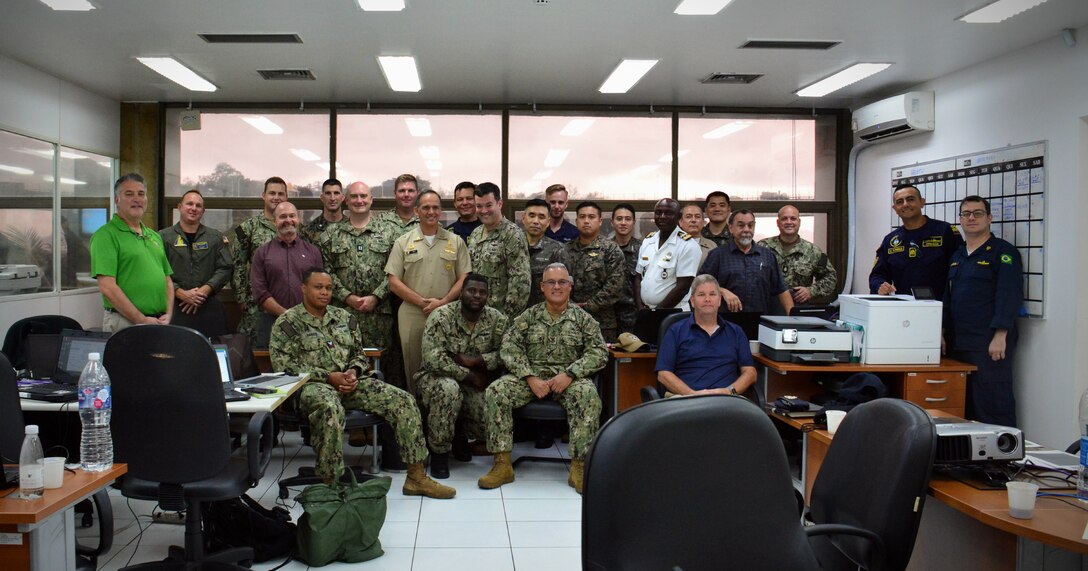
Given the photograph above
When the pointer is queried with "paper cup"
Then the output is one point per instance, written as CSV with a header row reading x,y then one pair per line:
x,y
1022,499
54,472
834,418
754,346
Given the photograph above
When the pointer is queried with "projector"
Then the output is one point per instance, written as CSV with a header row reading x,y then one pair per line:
x,y
966,442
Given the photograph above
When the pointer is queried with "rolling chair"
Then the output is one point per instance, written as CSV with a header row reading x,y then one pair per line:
x,y
15,339
211,320
721,502
546,410
170,426
875,475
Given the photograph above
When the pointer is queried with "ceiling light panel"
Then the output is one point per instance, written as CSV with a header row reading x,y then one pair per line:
x,y
173,70
16,170
727,129
433,165
381,5
419,126
400,72
556,157
429,153
69,5
626,75
999,11
576,127
306,154
263,124
700,7
848,76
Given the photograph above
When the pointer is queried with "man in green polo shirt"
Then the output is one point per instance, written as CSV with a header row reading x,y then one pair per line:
x,y
129,261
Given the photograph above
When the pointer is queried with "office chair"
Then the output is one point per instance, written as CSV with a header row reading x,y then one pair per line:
x,y
546,410
211,320
875,476
15,339
170,426
721,502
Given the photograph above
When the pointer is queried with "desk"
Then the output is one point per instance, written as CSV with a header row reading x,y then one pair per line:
x,y
942,387
44,529
627,374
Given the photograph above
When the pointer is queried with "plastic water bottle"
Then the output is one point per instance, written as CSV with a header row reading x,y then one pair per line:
x,y
1082,477
95,404
31,465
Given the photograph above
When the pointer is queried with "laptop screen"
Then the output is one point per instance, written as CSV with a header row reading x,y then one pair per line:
x,y
75,348
222,354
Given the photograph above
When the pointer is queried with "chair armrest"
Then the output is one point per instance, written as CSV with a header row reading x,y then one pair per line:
x,y
102,505
649,393
259,438
877,559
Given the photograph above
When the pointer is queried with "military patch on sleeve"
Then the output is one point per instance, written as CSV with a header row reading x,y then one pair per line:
x,y
1006,259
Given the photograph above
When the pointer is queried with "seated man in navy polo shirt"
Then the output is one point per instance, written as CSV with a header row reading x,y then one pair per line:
x,y
705,354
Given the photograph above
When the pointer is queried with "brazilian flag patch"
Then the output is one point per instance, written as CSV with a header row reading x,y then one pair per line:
x,y
1006,259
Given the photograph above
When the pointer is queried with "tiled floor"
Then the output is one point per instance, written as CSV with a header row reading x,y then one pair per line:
x,y
533,524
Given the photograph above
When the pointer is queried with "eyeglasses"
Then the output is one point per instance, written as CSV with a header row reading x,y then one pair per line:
x,y
554,283
973,214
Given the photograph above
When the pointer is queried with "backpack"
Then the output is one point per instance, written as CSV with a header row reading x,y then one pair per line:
x,y
242,522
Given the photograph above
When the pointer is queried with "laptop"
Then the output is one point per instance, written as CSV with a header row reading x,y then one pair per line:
x,y
226,374
75,347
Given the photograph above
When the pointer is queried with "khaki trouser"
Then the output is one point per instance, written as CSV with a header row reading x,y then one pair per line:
x,y
411,321
112,322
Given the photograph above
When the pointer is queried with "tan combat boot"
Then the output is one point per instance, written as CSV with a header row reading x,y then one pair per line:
x,y
577,471
419,484
501,473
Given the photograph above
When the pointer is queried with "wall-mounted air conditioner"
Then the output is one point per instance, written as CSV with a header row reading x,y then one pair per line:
x,y
898,116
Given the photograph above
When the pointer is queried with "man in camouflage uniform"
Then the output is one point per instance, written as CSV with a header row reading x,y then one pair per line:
x,y
718,208
597,267
551,351
623,226
402,217
324,342
542,249
500,253
332,199
807,270
251,234
460,359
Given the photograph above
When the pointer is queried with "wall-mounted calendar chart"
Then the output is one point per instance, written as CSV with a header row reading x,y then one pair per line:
x,y
1014,181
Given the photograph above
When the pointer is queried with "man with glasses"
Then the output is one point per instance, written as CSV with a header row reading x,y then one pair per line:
x,y
984,296
251,234
332,200
597,268
916,253
551,351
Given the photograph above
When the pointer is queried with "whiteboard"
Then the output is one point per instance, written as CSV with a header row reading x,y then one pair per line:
x,y
1013,179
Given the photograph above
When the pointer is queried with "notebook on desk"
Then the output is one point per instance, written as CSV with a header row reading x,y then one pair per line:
x,y
74,349
226,375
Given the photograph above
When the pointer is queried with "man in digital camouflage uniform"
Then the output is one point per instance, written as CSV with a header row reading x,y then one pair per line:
x,y
251,234
542,249
324,341
460,359
551,351
624,222
805,267
500,253
332,202
597,268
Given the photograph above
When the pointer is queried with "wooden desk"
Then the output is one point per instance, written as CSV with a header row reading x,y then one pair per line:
x,y
627,373
942,387
40,534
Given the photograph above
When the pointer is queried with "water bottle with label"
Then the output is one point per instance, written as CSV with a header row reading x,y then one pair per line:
x,y
95,404
1082,476
31,465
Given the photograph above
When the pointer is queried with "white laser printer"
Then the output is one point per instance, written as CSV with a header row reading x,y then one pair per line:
x,y
803,339
895,329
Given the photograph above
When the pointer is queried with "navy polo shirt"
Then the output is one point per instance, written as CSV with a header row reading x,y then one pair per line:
x,y
704,361
985,292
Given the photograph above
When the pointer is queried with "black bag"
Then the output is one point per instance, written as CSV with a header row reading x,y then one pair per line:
x,y
242,522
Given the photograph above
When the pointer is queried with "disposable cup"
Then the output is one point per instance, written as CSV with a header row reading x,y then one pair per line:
x,y
834,417
1022,499
754,346
54,472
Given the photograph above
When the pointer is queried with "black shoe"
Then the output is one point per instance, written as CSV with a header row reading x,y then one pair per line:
x,y
544,441
461,451
440,466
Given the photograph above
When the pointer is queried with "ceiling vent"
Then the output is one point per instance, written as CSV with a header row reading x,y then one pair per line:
x,y
286,74
251,38
731,78
790,44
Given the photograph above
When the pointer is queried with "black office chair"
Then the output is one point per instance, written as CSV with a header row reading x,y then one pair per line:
x,y
15,339
875,475
545,410
702,503
170,426
211,320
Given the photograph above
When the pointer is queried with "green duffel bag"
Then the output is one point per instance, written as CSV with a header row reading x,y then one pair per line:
x,y
342,522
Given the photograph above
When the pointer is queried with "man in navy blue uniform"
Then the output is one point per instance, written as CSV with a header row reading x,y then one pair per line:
x,y
916,253
984,296
704,353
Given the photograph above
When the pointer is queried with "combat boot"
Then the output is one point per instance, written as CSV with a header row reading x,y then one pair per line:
x,y
418,484
501,473
577,471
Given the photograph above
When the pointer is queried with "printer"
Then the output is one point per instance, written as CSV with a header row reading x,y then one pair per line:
x,y
803,339
894,329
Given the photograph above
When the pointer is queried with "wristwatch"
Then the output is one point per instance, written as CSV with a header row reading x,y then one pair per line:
x,y
732,391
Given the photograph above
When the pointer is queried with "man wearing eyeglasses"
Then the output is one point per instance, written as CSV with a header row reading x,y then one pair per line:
x,y
916,253
551,350
984,296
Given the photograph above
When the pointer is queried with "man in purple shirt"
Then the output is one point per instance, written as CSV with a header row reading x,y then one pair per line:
x,y
276,273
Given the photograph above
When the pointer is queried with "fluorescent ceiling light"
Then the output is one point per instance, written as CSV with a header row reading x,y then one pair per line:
x,y
105,164
727,129
400,72
626,75
541,175
306,154
700,7
433,165
576,127
556,157
999,11
419,126
263,124
848,76
173,70
381,5
16,170
435,174
326,166
668,157
70,155
644,169
69,5
429,153
71,181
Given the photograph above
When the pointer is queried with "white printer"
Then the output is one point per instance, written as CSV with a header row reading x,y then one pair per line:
x,y
19,278
895,329
803,339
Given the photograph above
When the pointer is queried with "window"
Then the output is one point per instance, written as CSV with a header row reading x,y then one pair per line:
x,y
86,190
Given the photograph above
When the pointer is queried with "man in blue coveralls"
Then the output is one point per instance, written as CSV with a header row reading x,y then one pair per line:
x,y
984,295
916,253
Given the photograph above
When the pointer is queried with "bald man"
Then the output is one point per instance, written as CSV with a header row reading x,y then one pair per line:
x,y
805,267
276,272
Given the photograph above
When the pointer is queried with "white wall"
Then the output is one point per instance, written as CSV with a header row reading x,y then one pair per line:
x,y
42,106
1038,93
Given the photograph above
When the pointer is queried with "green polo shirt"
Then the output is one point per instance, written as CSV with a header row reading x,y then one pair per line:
x,y
138,263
